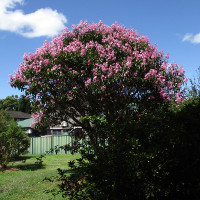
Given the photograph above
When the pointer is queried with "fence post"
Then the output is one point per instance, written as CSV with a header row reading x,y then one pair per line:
x,y
52,144
32,144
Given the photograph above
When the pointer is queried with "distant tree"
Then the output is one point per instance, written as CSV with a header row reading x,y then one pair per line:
x,y
9,103
24,104
194,88
15,103
13,141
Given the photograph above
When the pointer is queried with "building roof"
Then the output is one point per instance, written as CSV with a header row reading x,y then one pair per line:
x,y
26,123
18,115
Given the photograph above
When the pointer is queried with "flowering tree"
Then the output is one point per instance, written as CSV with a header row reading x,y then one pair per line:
x,y
109,80
96,69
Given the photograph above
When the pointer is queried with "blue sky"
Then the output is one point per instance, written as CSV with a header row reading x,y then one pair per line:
x,y
25,24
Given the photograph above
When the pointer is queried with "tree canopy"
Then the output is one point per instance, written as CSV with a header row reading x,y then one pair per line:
x,y
97,69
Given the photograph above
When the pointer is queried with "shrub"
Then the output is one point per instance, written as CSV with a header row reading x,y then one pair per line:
x,y
13,141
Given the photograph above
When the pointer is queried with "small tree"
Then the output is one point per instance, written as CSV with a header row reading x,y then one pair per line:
x,y
105,79
13,141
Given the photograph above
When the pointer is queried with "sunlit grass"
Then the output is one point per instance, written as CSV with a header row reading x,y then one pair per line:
x,y
24,180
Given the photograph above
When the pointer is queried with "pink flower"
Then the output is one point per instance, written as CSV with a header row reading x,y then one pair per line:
x,y
55,67
32,124
167,56
52,101
179,85
151,97
70,98
163,94
103,87
103,77
88,82
95,79
83,52
128,64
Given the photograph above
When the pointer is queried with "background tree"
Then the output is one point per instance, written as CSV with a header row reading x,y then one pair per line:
x,y
108,79
9,103
24,104
13,141
15,103
194,88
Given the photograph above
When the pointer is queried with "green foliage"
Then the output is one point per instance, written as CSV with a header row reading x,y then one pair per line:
x,y
4,119
9,103
40,161
187,150
13,141
194,88
15,103
156,157
24,105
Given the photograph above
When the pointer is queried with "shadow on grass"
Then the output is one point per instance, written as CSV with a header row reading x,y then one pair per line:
x,y
22,158
23,167
30,167
19,163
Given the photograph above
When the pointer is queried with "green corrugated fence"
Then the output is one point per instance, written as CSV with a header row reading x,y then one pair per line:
x,y
42,145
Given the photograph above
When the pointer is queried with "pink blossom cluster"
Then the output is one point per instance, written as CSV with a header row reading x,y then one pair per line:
x,y
37,118
162,81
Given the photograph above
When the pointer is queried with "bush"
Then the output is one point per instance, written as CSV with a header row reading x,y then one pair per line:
x,y
185,174
154,158
13,141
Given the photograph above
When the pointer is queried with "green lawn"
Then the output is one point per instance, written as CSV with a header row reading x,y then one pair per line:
x,y
23,180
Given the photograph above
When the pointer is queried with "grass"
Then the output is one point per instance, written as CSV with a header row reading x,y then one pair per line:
x,y
24,180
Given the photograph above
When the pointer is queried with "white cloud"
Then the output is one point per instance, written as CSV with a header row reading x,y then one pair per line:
x,y
192,38
42,22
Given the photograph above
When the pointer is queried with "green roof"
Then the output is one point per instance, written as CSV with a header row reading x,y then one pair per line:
x,y
25,123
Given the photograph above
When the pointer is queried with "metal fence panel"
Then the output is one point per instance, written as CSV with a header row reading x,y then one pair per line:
x,y
42,145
